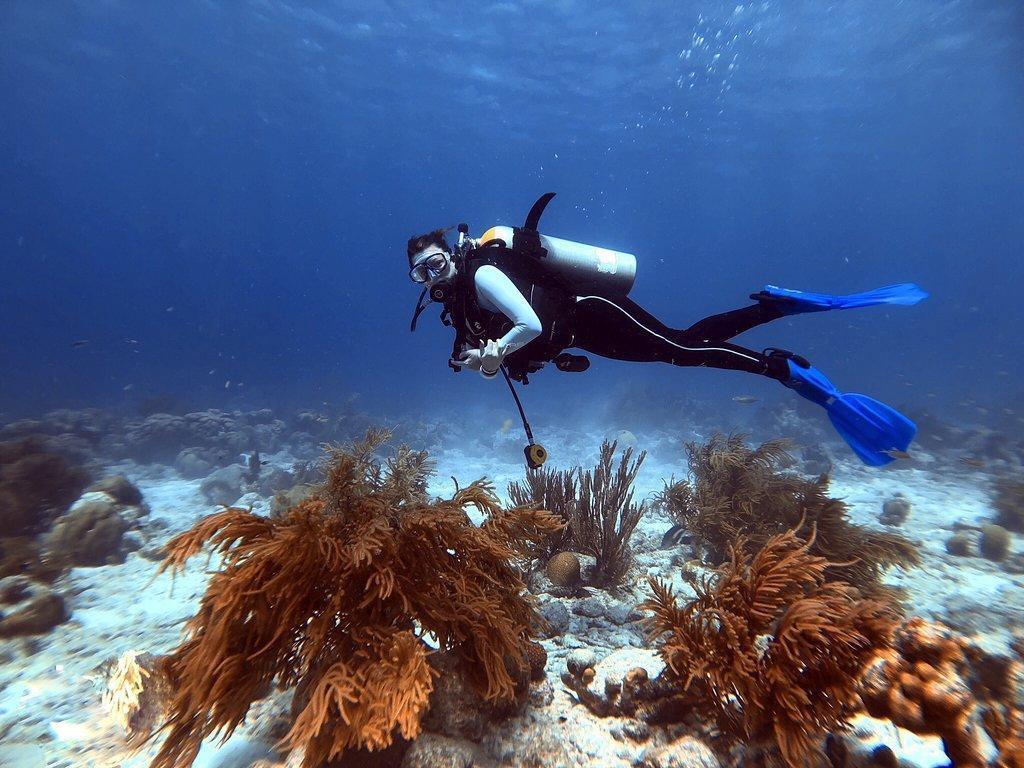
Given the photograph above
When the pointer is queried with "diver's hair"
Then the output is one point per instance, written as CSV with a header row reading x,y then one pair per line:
x,y
419,242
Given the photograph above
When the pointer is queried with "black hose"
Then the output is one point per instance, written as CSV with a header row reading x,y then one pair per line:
x,y
519,405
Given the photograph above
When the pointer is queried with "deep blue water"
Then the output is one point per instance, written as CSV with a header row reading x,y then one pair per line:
x,y
216,195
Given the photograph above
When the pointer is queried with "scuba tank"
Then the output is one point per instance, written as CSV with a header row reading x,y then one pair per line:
x,y
578,267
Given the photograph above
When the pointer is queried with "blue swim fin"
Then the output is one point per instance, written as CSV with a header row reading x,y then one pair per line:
x,y
875,432
792,302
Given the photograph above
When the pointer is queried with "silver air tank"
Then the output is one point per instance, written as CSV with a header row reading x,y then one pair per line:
x,y
579,266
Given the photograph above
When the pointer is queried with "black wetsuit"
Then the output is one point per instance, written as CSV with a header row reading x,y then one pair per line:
x,y
610,326
618,328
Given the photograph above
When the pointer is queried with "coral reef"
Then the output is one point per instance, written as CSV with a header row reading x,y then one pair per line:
x,y
334,598
735,491
162,436
920,686
770,646
36,485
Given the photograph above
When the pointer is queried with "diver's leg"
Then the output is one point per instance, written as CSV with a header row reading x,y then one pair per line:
x,y
729,324
620,329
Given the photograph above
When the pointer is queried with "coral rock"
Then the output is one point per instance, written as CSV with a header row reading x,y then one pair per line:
x,y
922,687
88,535
895,511
137,694
564,569
687,752
35,616
35,486
119,488
994,542
591,607
579,660
432,750
455,707
959,544
274,480
284,500
1009,504
555,617
192,464
537,659
223,486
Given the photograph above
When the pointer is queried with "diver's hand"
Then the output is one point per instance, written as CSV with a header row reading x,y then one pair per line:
x,y
486,360
469,358
491,356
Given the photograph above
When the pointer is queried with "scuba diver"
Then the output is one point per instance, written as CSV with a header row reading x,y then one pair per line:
x,y
519,299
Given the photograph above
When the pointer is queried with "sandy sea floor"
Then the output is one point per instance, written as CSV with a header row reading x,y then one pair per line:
x,y
50,685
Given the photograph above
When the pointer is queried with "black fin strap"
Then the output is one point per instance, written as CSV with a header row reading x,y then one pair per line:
x,y
420,306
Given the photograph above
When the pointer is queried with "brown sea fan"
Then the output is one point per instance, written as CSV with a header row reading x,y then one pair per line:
x,y
334,598
735,490
553,490
604,516
770,646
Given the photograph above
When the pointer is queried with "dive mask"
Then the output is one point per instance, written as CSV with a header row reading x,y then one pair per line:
x,y
429,268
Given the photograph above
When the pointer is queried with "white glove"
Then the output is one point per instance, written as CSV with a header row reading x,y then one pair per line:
x,y
470,358
487,359
490,358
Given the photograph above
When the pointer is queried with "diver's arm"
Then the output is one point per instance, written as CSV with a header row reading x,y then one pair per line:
x,y
499,294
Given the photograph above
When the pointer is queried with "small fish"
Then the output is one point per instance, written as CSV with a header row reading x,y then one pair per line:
x,y
972,462
131,341
745,399
506,425
675,536
896,453
227,384
169,309
126,387
81,343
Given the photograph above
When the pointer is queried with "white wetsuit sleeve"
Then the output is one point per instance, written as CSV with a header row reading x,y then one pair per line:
x,y
499,294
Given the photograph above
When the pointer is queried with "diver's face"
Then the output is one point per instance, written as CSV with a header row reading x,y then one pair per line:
x,y
431,265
